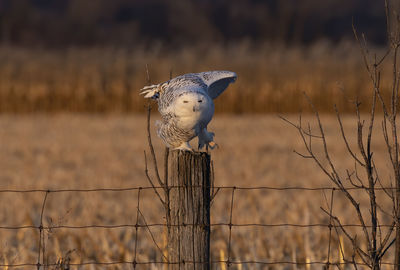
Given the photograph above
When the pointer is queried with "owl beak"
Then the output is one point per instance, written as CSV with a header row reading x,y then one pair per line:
x,y
196,108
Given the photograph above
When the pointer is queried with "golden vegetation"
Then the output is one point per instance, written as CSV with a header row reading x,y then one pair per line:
x,y
70,151
271,78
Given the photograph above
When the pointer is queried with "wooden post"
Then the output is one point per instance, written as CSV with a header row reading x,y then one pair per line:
x,y
397,222
188,219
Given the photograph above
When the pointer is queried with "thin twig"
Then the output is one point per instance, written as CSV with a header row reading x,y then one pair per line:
x,y
150,181
352,239
152,237
152,152
345,139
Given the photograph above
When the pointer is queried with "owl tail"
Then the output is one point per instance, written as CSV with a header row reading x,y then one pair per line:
x,y
151,91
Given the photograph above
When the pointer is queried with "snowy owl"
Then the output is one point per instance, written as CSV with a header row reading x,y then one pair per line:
x,y
186,106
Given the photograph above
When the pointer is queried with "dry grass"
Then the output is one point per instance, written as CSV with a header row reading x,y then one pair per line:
x,y
272,78
75,151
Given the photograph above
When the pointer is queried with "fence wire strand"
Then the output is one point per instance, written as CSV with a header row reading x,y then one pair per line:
x,y
137,225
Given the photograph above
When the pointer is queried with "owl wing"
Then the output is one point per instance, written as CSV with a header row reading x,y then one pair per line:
x,y
185,82
217,81
151,91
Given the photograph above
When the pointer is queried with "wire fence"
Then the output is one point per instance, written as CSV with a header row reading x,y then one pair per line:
x,y
229,261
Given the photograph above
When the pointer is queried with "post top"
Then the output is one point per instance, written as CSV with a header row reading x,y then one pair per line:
x,y
190,153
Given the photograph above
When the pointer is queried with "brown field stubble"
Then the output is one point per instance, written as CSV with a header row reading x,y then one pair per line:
x,y
81,151
271,78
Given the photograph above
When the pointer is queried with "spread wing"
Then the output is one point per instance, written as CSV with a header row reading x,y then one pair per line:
x,y
214,81
186,82
217,81
151,91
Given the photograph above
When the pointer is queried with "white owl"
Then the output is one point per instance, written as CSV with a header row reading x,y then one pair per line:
x,y
186,106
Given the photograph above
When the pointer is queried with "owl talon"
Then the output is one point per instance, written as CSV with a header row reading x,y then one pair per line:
x,y
212,145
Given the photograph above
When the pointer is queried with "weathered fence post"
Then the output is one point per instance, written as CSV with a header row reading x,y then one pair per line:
x,y
188,219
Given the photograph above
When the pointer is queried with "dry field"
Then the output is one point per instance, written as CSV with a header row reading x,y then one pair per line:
x,y
83,151
271,78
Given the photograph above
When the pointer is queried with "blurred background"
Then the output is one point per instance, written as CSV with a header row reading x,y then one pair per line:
x,y
90,56
71,118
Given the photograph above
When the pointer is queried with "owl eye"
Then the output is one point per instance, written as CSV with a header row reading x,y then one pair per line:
x,y
200,100
185,101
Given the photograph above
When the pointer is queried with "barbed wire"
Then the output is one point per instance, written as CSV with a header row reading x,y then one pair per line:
x,y
229,261
299,188
195,262
117,226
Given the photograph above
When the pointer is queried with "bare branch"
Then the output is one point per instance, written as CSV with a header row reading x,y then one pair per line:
x,y
348,235
390,195
383,57
307,146
153,155
350,176
150,181
345,139
307,133
372,75
383,247
303,155
326,152
388,246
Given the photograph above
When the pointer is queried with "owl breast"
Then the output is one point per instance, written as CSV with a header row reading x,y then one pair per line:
x,y
193,110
